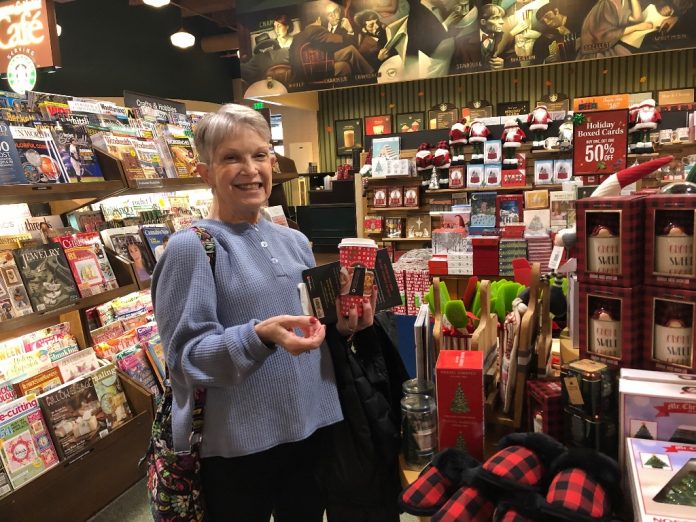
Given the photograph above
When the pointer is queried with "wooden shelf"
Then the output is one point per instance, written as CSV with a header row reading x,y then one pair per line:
x,y
397,209
650,155
393,179
144,186
59,191
11,327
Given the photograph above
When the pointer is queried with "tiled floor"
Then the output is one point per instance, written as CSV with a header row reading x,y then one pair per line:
x,y
133,506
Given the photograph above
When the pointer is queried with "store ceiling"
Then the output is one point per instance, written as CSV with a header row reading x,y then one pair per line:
x,y
221,12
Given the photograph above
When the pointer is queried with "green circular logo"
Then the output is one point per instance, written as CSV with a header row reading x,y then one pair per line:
x,y
21,73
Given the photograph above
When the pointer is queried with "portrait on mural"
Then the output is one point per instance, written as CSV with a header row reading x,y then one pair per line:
x,y
323,44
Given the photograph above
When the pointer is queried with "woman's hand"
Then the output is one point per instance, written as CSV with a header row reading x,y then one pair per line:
x,y
350,324
281,330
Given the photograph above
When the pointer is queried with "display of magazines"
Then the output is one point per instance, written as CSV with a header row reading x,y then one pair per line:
x,y
38,155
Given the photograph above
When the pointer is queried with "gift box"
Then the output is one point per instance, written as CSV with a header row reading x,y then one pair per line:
x,y
417,283
590,431
437,265
485,255
669,240
459,378
373,224
513,231
589,388
514,178
396,197
460,263
544,408
379,197
411,199
611,329
657,411
610,233
669,317
401,283
449,240
394,226
539,250
660,478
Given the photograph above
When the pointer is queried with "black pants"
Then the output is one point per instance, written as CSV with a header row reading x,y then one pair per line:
x,y
280,481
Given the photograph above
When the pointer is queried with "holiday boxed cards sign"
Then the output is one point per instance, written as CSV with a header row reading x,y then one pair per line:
x,y
599,145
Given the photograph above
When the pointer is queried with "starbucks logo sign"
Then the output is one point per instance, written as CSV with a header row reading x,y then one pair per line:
x,y
21,73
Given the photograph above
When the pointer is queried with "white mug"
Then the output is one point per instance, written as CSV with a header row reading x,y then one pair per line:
x,y
550,143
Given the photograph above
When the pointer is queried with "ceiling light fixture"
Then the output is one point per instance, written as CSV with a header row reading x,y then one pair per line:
x,y
59,30
156,3
183,39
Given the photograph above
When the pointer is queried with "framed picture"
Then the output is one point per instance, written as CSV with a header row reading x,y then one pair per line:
x,y
409,122
389,148
474,175
493,151
376,125
442,116
543,172
562,170
349,135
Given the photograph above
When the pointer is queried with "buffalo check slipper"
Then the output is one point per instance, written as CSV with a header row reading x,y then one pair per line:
x,y
516,471
437,482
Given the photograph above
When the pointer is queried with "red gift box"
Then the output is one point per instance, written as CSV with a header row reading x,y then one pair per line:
x,y
417,283
611,325
379,197
411,197
610,240
544,408
437,265
669,317
669,254
396,197
514,178
485,255
513,231
459,378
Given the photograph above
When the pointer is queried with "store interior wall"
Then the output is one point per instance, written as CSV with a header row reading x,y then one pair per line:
x,y
108,46
637,73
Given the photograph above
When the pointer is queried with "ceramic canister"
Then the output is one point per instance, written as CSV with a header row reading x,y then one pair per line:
x,y
604,251
605,333
673,335
674,251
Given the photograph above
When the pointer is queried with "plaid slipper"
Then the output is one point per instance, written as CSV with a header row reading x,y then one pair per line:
x,y
584,486
437,482
516,471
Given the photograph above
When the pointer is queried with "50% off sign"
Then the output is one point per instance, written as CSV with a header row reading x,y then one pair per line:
x,y
599,144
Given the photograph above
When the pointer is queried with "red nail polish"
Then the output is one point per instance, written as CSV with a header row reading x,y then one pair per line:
x,y
312,320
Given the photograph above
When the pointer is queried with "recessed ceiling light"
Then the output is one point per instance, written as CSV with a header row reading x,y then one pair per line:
x,y
156,3
183,39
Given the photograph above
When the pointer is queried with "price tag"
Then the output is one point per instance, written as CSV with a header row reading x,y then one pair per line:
x,y
148,183
555,259
573,389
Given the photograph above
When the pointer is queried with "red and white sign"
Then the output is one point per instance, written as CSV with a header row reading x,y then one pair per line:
x,y
600,142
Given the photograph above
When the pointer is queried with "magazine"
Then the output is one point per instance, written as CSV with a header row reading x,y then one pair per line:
x,y
111,397
14,300
38,155
11,171
75,147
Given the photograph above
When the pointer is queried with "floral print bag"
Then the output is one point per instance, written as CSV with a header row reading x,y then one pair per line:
x,y
174,478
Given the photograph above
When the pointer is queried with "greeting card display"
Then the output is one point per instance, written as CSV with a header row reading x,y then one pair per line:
x,y
543,172
482,212
537,222
562,171
379,197
493,151
474,175
418,226
389,148
514,178
396,196
562,209
509,209
535,199
456,176
411,199
492,175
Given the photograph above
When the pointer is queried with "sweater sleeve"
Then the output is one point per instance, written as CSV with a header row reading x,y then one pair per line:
x,y
199,350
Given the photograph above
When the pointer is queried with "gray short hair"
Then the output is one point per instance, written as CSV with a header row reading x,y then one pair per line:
x,y
216,126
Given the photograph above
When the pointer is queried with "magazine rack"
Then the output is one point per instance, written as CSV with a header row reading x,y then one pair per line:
x,y
528,328
77,489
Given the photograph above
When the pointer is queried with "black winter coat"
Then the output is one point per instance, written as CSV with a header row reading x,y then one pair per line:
x,y
360,468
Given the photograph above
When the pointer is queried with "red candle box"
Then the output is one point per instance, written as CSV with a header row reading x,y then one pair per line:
x,y
459,378
611,321
610,240
411,196
545,408
396,196
669,317
379,197
669,241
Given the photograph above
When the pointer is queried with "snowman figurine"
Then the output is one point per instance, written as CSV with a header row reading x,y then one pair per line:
x,y
647,119
478,135
565,134
458,137
538,121
512,138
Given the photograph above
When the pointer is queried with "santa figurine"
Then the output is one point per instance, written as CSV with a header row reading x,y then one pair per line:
x,y
565,134
632,113
478,135
442,162
424,162
458,137
647,118
538,121
512,138
366,169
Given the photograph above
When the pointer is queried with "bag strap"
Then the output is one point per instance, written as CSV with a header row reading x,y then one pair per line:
x,y
199,394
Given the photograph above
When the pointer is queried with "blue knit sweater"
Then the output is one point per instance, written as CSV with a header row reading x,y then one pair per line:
x,y
257,397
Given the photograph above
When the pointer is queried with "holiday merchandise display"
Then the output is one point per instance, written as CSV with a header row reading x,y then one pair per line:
x,y
645,118
538,121
512,138
478,135
458,137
